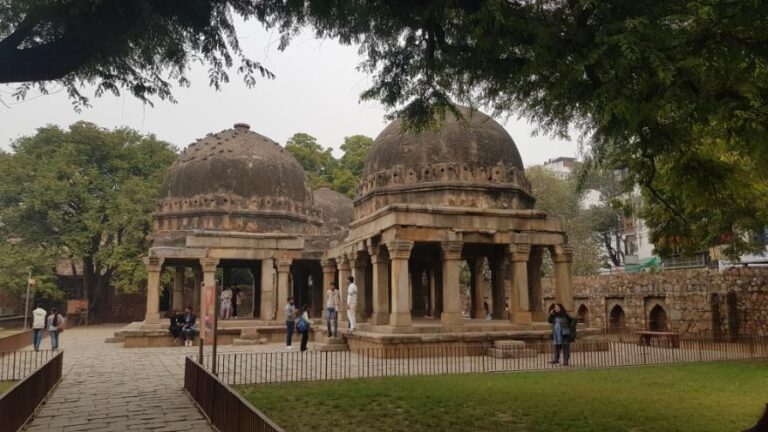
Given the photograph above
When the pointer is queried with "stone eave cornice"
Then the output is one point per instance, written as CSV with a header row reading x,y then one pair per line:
x,y
415,208
274,214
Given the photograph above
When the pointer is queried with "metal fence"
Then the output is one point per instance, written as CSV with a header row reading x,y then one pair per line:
x,y
276,367
21,401
17,365
225,408
12,322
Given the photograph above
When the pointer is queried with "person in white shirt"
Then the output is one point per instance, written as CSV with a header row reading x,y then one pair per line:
x,y
226,304
351,302
332,310
290,322
38,325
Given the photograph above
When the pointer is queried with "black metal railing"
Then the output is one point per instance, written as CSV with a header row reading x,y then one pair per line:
x,y
276,367
226,409
17,365
13,322
19,403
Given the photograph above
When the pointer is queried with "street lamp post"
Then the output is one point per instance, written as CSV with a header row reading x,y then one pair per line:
x,y
30,282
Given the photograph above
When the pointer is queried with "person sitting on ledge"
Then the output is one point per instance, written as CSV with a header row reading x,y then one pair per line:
x,y
175,327
188,330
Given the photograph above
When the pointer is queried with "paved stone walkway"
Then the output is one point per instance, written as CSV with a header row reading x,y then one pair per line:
x,y
106,387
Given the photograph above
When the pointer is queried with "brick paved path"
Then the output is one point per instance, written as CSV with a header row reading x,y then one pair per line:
x,y
106,387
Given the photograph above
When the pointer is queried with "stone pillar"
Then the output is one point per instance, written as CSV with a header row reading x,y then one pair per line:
x,y
451,288
267,286
343,267
154,268
358,271
399,252
520,305
197,295
209,282
380,290
478,288
562,259
432,294
498,291
283,284
178,289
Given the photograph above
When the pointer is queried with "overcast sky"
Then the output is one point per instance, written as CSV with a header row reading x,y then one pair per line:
x,y
316,91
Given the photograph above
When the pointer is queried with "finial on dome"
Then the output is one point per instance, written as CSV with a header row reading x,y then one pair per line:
x,y
242,127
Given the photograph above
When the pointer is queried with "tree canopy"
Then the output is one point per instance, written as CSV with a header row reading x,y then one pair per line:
x,y
673,92
85,194
323,169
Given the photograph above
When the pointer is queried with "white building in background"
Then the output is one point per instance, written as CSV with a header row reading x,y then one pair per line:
x,y
561,167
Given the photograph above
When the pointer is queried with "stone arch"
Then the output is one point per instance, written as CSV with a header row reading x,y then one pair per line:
x,y
616,319
583,314
657,319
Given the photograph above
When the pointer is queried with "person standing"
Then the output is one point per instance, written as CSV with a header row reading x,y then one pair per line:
x,y
290,312
38,325
351,302
304,326
561,333
237,296
226,304
55,327
332,310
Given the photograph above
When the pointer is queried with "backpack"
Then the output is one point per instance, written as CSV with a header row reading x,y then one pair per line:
x,y
302,325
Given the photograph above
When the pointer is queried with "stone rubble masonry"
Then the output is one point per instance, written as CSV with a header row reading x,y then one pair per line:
x,y
695,301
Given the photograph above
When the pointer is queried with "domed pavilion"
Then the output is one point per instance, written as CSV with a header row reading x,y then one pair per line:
x,y
428,203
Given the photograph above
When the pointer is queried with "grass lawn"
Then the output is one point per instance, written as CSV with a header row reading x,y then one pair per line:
x,y
5,386
705,397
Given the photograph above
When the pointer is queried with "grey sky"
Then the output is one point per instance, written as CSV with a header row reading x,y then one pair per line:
x,y
316,91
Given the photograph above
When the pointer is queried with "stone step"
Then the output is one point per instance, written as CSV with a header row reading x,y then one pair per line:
x,y
511,353
249,333
116,339
329,347
238,341
508,344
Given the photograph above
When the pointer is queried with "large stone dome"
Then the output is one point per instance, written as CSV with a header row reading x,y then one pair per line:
x,y
467,162
236,180
336,209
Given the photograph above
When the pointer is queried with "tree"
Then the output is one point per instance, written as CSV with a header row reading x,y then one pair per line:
x,y
85,194
139,46
318,162
350,167
558,197
19,261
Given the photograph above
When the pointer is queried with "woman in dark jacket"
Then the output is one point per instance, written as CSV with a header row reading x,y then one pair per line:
x,y
175,327
561,333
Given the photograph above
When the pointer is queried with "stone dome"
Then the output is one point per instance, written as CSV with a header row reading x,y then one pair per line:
x,y
467,162
336,209
236,180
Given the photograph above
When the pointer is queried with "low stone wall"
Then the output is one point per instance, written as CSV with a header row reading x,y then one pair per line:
x,y
692,301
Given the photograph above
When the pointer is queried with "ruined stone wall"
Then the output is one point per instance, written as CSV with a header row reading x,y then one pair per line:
x,y
692,301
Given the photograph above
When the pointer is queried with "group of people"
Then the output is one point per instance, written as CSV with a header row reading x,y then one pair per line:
x,y
332,303
230,300
42,320
184,326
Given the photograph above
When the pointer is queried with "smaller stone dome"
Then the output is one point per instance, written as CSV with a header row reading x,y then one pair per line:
x,y
336,209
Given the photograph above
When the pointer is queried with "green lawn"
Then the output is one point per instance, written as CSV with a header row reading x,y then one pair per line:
x,y
713,397
5,386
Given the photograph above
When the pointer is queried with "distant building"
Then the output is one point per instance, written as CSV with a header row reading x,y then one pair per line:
x,y
562,167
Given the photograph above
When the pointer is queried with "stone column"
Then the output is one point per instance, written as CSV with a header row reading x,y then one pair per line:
x,y
209,282
178,289
520,307
154,268
562,259
498,291
451,288
478,290
329,276
380,289
432,294
283,284
267,287
358,271
196,296
344,267
399,252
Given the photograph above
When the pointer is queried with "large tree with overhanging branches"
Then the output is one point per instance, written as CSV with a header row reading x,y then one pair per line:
x,y
675,93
